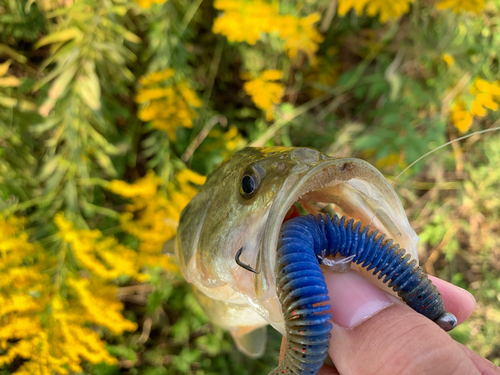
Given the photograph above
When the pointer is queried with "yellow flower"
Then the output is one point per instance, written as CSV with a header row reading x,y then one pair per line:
x,y
475,6
245,21
448,59
152,217
167,107
487,96
224,142
145,95
264,93
480,85
148,3
102,256
188,94
391,161
156,77
461,118
386,9
299,34
185,176
98,302
145,187
40,329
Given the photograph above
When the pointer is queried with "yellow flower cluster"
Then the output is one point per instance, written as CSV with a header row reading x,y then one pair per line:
x,y
166,104
103,256
386,9
265,93
299,34
475,6
390,161
486,96
50,333
98,303
224,142
448,59
153,218
148,3
245,20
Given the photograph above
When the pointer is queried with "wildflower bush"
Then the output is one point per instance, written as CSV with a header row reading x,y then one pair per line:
x,y
112,112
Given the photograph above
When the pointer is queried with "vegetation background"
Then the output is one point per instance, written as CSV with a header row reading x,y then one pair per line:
x,y
112,111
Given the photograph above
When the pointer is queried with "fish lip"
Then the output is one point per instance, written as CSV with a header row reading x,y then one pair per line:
x,y
342,171
299,188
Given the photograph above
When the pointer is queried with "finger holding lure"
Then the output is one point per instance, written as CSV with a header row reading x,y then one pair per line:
x,y
375,333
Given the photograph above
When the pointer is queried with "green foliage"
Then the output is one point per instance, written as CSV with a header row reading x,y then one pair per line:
x,y
464,234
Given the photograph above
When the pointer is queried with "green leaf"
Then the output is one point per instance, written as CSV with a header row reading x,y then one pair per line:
x,y
4,49
123,352
71,194
59,86
156,371
7,101
49,168
4,67
121,10
395,83
9,81
185,358
44,126
55,179
105,162
60,36
88,88
102,142
389,119
127,35
105,369
180,330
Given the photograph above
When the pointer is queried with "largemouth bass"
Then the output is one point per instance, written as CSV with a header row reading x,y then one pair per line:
x,y
239,211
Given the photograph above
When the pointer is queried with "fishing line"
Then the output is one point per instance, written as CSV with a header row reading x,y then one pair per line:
x,y
431,152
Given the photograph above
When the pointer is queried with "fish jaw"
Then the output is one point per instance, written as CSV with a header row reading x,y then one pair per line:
x,y
356,190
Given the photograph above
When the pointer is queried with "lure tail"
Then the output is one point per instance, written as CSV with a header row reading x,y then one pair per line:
x,y
303,294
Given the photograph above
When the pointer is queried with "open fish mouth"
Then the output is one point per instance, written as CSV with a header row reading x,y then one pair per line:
x,y
345,187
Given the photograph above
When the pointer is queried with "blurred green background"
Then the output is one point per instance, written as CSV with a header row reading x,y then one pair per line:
x,y
112,111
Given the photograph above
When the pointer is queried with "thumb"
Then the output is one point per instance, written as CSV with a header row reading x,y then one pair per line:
x,y
375,333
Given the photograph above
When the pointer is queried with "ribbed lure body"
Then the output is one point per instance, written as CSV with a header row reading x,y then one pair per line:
x,y
303,242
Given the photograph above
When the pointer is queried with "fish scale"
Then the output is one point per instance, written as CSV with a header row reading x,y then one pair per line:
x,y
303,297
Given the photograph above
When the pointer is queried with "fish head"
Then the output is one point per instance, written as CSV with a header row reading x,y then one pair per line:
x,y
244,203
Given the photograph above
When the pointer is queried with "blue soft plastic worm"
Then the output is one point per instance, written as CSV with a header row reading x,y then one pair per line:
x,y
304,242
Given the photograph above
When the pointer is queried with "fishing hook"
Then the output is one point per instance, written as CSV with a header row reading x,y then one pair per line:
x,y
243,265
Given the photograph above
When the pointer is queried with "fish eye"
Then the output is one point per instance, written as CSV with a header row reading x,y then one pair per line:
x,y
249,185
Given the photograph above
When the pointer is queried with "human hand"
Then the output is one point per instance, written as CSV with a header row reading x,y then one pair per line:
x,y
375,333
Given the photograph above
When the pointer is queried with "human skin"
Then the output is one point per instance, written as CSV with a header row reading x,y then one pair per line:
x,y
375,333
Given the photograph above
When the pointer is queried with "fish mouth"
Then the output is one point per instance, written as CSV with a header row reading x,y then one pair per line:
x,y
345,187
